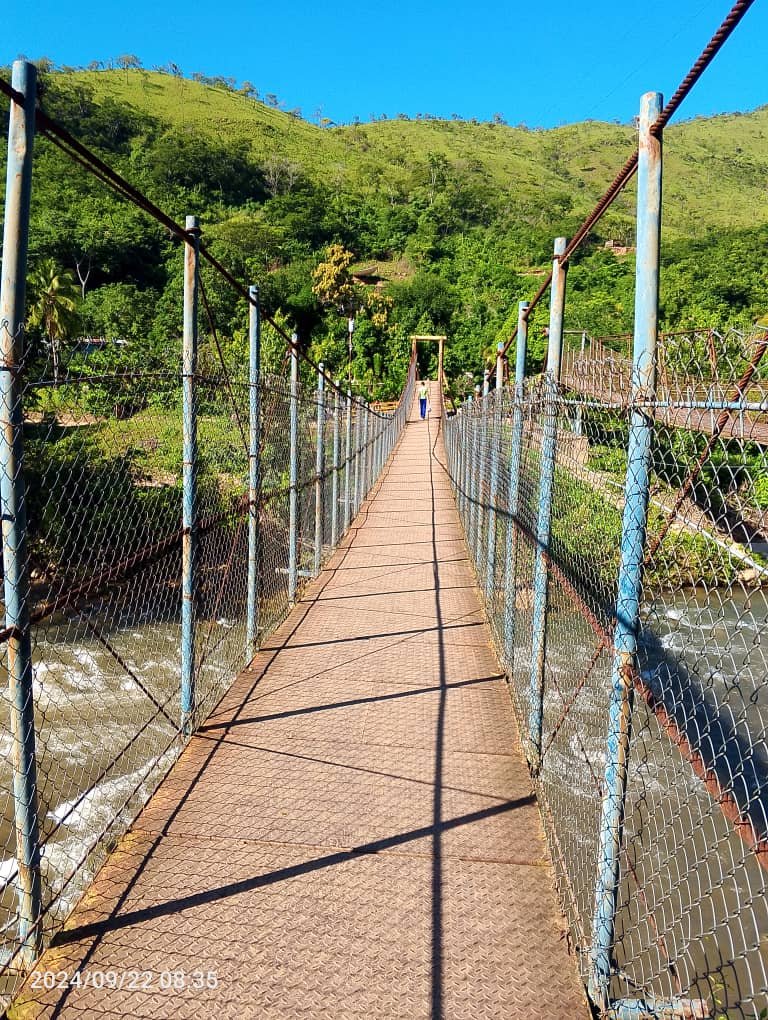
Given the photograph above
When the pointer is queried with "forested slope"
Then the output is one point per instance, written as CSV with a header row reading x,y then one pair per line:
x,y
454,218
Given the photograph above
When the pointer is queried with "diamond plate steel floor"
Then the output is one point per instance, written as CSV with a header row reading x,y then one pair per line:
x,y
352,833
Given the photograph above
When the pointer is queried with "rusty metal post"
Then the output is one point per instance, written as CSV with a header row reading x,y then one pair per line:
x,y
358,452
494,448
637,489
293,475
513,500
189,473
380,427
468,465
482,508
348,464
18,190
458,457
579,424
335,468
319,468
254,471
546,492
365,451
474,471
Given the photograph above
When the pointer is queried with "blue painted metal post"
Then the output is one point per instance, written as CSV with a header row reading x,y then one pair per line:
x,y
348,464
254,471
471,468
373,441
365,448
319,468
293,476
335,468
380,427
467,444
18,191
459,458
189,474
358,451
475,474
632,546
494,447
483,469
513,501
546,492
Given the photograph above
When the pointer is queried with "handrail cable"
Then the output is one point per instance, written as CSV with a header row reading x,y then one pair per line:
x,y
626,173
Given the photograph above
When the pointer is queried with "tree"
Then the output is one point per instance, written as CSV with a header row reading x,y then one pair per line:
x,y
331,281
128,62
280,174
52,307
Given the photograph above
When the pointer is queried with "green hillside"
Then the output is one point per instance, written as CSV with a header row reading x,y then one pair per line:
x,y
715,171
456,218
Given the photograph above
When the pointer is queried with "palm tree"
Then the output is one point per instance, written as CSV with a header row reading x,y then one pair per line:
x,y
52,305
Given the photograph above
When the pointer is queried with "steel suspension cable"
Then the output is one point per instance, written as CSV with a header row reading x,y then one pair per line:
x,y
627,172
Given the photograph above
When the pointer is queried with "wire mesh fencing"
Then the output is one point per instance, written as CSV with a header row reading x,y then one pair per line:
x,y
99,576
543,481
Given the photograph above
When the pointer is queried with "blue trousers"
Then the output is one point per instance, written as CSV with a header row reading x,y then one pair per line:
x,y
423,407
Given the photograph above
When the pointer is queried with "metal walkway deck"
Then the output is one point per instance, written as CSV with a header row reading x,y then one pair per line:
x,y
352,833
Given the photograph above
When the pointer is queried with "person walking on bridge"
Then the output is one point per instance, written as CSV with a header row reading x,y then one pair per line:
x,y
423,397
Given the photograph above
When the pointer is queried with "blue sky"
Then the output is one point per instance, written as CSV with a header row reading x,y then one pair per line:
x,y
562,62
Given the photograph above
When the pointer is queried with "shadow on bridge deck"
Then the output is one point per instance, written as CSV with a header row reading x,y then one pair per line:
x,y
352,833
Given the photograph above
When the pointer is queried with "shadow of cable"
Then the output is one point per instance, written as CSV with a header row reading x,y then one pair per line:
x,y
437,808
116,922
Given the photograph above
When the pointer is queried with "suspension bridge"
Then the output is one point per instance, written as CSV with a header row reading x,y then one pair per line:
x,y
683,399
338,710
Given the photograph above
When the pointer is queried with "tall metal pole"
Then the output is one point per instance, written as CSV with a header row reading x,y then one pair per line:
x,y
18,191
319,467
254,470
335,469
189,473
649,176
546,492
515,459
348,464
293,479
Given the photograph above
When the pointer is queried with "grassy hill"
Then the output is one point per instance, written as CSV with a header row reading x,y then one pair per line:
x,y
715,170
457,218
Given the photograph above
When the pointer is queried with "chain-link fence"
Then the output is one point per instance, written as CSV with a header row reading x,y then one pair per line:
x,y
542,479
100,578
164,501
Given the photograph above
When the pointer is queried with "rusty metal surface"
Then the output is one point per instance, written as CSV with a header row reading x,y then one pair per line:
x,y
352,833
